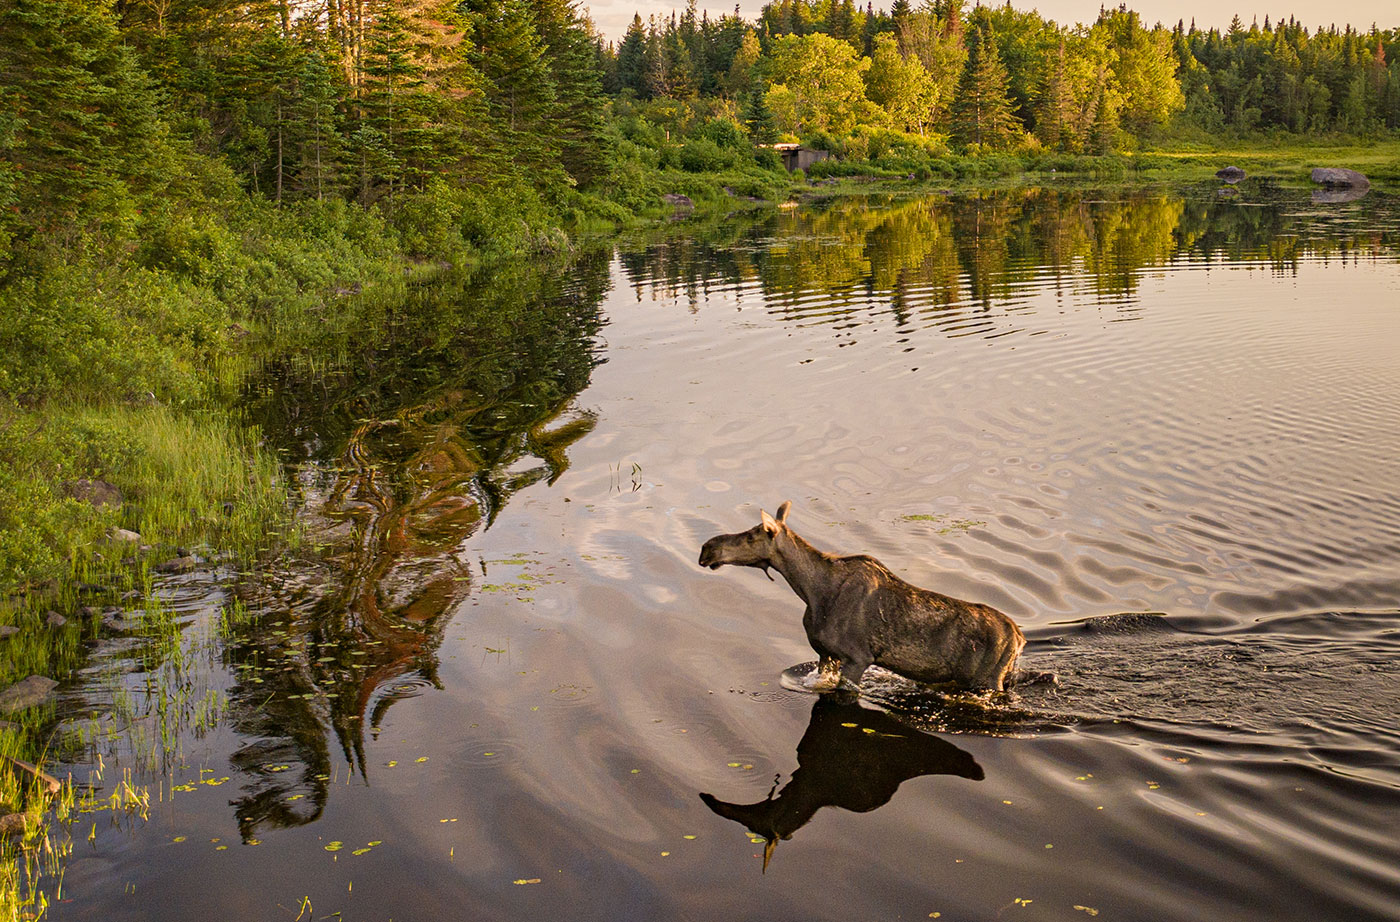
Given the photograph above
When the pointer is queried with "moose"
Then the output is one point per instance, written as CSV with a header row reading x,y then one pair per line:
x,y
860,613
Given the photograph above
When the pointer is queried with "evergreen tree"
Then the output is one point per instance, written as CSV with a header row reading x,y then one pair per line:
x,y
1055,117
77,117
982,117
518,86
632,58
577,119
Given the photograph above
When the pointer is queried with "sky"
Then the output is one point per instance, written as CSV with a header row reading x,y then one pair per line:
x,y
613,16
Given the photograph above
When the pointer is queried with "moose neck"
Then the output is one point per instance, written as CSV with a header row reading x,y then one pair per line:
x,y
804,567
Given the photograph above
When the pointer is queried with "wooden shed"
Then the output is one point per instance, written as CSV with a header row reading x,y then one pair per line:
x,y
797,157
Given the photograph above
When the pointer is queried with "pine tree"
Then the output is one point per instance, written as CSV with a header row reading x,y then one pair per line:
x,y
758,119
577,120
77,116
518,85
632,58
1054,121
982,116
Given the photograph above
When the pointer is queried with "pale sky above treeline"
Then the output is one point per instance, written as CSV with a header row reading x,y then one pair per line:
x,y
613,16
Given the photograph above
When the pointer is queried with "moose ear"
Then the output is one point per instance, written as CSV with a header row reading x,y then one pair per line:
x,y
783,511
770,524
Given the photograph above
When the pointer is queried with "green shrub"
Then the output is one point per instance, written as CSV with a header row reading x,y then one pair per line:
x,y
701,155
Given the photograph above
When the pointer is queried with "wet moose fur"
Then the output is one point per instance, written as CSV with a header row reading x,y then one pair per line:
x,y
859,613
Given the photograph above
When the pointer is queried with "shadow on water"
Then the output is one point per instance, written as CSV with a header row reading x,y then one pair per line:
x,y
401,451
851,757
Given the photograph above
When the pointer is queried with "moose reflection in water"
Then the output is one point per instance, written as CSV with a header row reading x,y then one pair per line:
x,y
439,417
851,757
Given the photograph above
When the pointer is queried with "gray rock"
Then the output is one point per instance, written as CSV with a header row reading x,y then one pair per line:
x,y
7,631
12,824
26,693
177,565
1230,174
678,200
94,492
54,619
116,621
124,536
1333,177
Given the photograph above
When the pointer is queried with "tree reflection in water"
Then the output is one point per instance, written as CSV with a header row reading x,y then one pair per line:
x,y
828,261
850,757
411,441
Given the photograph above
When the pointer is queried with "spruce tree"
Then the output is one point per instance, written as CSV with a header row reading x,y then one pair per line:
x,y
632,58
982,115
1054,120
577,120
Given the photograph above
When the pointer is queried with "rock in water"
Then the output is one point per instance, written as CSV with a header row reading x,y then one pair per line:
x,y
1230,174
26,693
12,824
1333,177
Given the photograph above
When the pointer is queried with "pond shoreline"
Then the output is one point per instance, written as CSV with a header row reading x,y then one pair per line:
x,y
222,524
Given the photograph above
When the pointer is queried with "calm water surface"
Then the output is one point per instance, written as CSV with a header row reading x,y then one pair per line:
x,y
494,684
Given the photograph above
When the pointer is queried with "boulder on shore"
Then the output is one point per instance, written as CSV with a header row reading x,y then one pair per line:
x,y
1333,177
678,200
94,492
1230,174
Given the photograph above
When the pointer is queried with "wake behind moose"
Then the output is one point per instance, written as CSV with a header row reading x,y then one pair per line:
x,y
860,613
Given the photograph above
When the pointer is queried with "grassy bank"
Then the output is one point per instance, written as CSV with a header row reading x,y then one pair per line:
x,y
124,350
1286,160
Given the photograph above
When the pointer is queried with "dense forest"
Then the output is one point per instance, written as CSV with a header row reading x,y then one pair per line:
x,y
989,78
187,183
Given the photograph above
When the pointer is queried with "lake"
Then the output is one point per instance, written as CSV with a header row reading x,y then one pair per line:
x,y
490,681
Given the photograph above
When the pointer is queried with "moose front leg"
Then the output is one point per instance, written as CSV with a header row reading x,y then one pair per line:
x,y
828,674
853,669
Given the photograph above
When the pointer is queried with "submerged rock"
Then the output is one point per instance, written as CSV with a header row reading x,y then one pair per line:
x,y
182,564
1230,174
26,693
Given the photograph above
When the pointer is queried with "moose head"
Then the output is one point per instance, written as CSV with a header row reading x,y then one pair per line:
x,y
752,548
